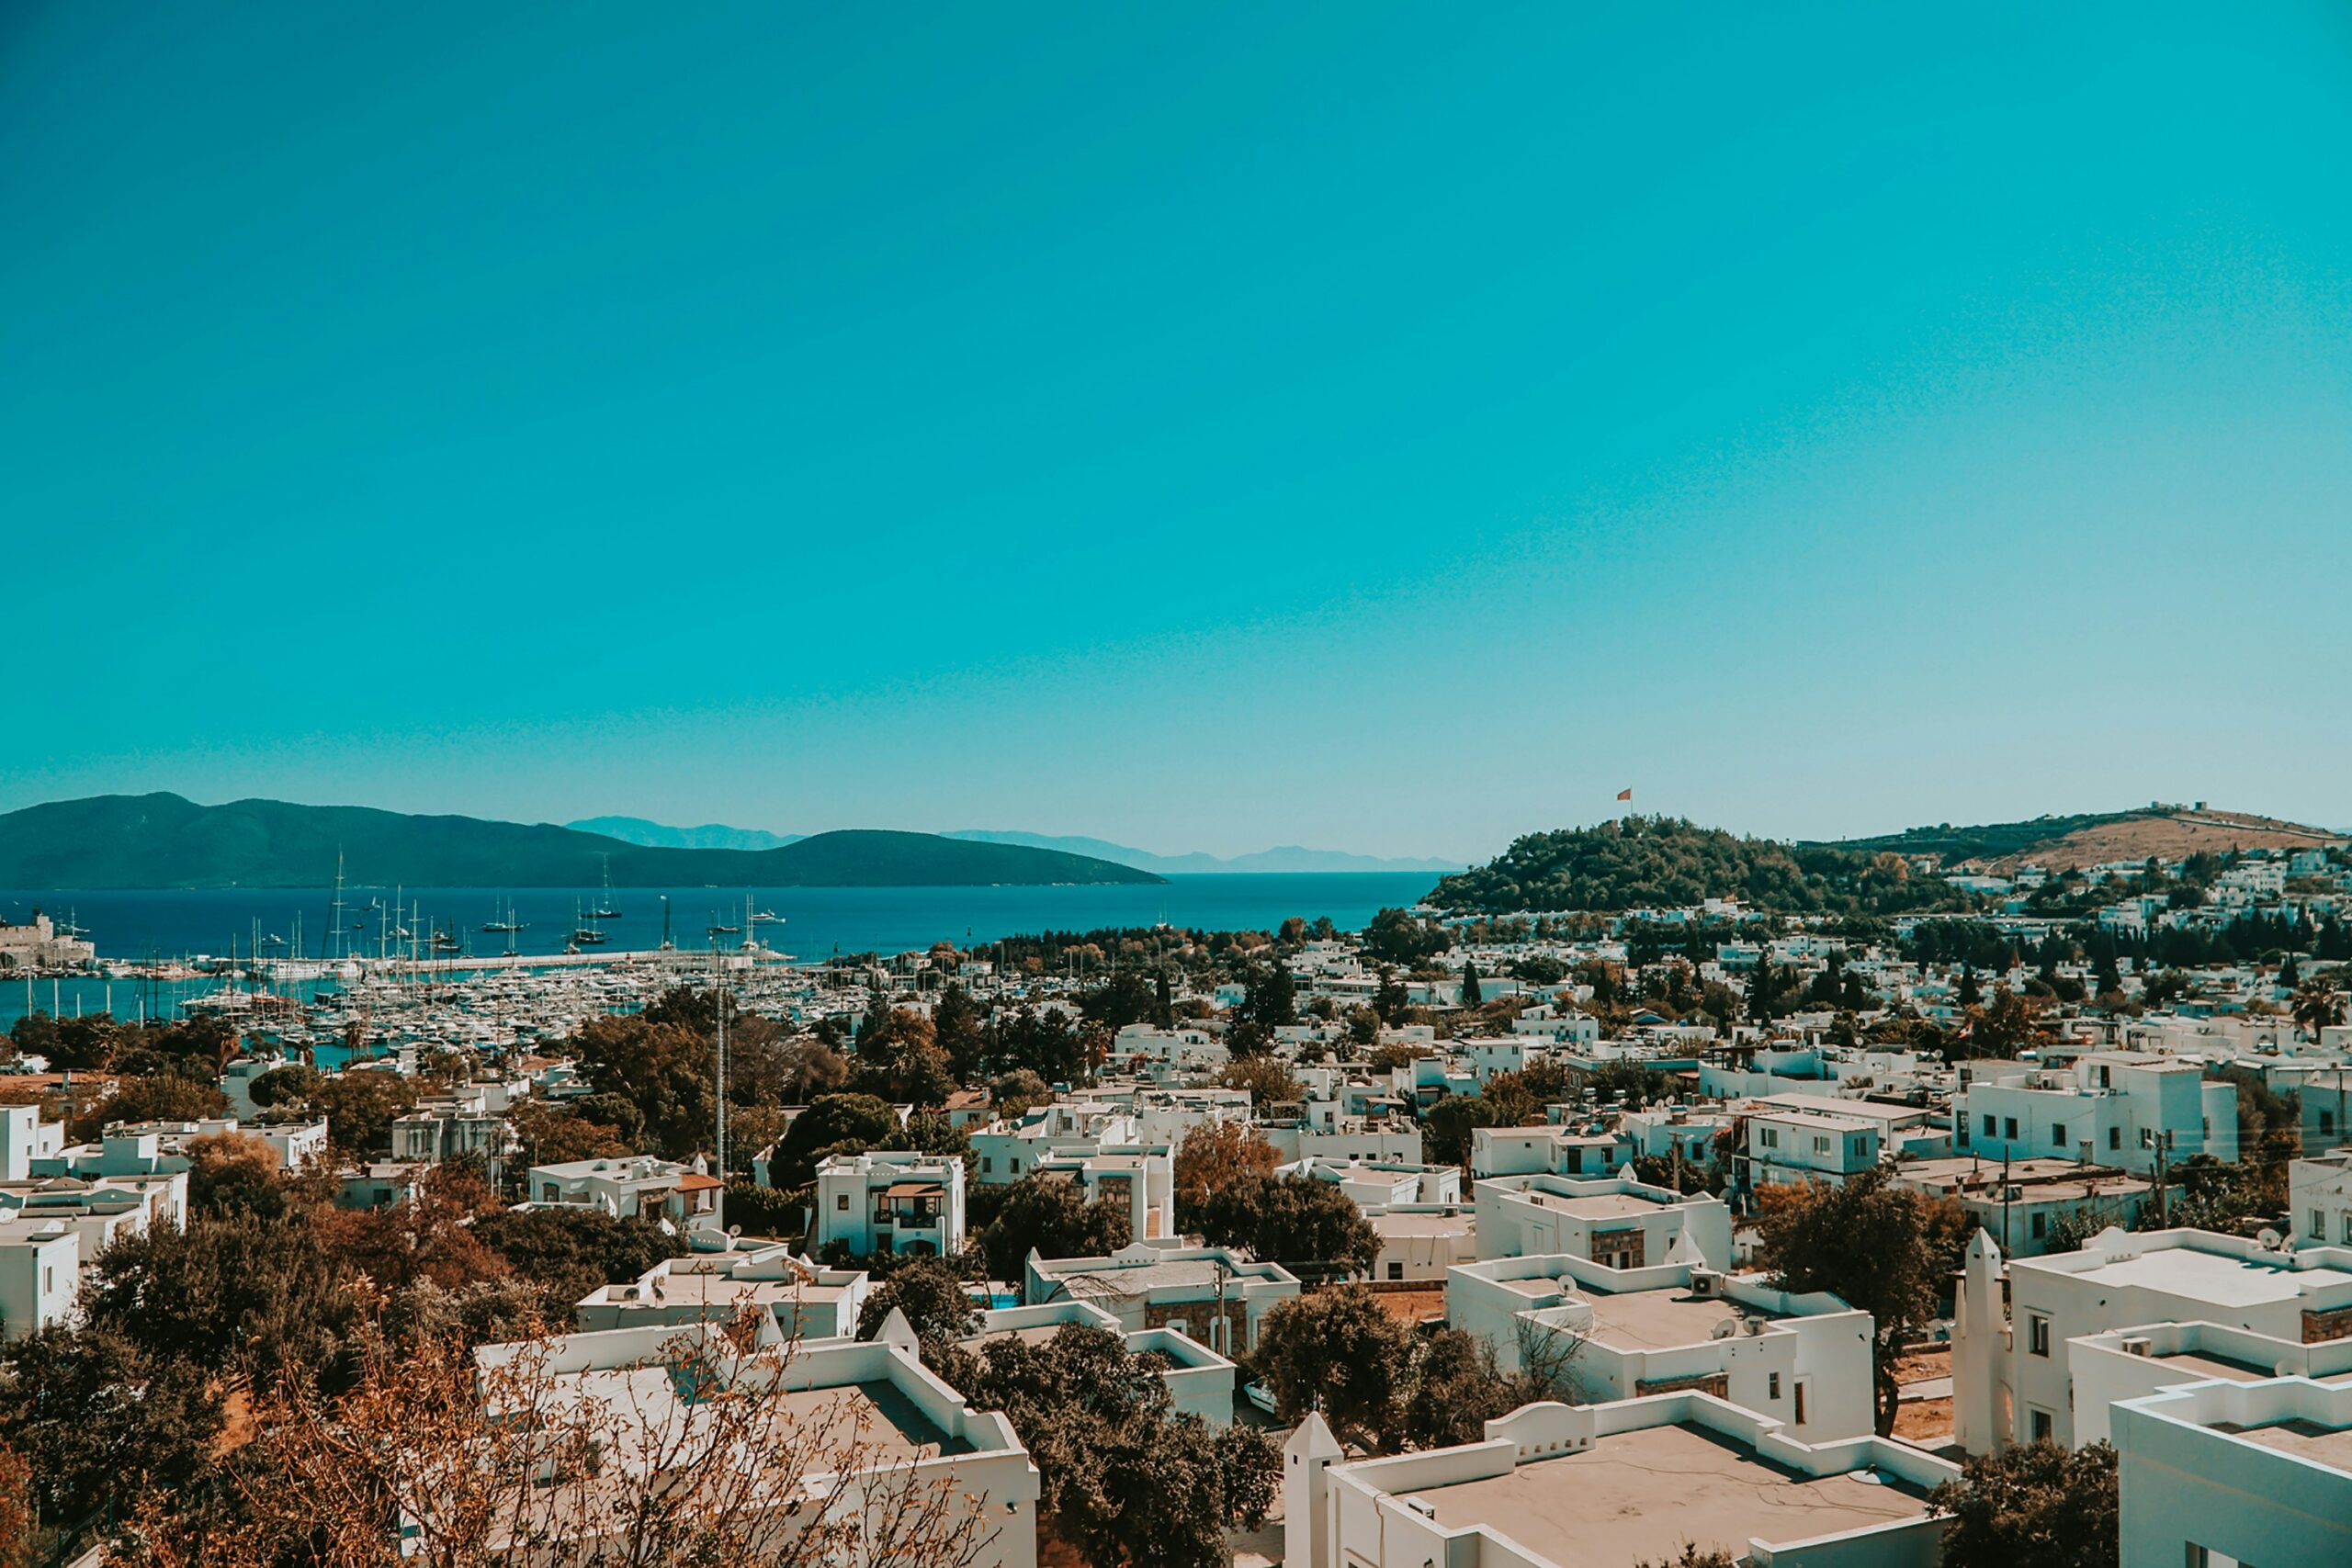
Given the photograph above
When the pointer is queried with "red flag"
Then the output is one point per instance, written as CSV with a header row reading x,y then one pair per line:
x,y
1625,795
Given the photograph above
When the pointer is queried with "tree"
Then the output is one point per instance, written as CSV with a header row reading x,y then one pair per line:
x,y
1212,1156
568,1252
361,1106
292,1084
1125,1482
1470,996
237,1294
1309,1226
830,1122
2034,1506
1398,937
235,1173
1456,1389
1877,1246
932,1296
1051,1217
1339,1351
1267,1080
405,1470
2317,1005
547,1134
97,1417
165,1097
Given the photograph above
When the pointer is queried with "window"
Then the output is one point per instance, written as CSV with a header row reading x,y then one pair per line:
x,y
2319,1225
2041,1224
2058,1134
2037,1335
2348,1227
1772,1390
1801,1388
2115,1137
1989,1123
1396,1270
988,1164
2326,1122
2009,1127
2044,1428
1821,1146
841,1201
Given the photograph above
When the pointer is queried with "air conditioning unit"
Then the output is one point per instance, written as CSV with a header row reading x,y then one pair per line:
x,y
1705,1281
2139,1346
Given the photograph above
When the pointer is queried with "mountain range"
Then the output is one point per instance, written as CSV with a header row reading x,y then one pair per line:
x,y
167,840
1285,858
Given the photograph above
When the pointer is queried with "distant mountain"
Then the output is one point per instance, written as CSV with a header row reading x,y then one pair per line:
x,y
166,840
709,836
1288,857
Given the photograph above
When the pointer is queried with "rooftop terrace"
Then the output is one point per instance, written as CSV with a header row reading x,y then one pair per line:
x,y
1638,1495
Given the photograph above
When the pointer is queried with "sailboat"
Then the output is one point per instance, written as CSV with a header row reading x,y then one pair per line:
x,y
585,934
605,909
718,929
506,922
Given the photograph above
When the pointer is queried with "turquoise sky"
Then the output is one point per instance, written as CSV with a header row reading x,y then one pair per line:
x,y
1384,428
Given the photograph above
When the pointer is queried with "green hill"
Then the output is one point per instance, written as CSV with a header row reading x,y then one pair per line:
x,y
166,840
1662,861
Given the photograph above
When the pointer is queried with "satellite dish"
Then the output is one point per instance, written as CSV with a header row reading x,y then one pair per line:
x,y
1725,1328
2269,1239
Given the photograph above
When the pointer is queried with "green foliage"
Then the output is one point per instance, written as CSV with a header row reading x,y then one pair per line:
x,y
100,1417
833,1121
1052,1217
2033,1506
932,1295
1660,861
1125,1481
568,1252
1337,1350
164,1097
1395,936
361,1106
1456,1389
265,1297
1309,1226
765,1212
1877,1246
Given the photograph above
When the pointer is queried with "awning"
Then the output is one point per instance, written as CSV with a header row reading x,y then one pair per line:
x,y
912,1189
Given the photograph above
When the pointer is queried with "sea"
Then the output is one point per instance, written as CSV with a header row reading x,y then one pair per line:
x,y
812,923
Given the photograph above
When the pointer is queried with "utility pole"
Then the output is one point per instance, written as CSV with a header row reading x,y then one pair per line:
x,y
718,990
2164,1199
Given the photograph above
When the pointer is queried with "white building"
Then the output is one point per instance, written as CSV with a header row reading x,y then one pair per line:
x,y
1617,1221
2027,1205
1141,1181
40,1261
1788,1147
2228,1474
2117,1108
2013,1374
1211,1293
2319,1203
890,1200
638,1185
805,1300
1602,1334
908,1420
1567,1486
1584,1149
1199,1381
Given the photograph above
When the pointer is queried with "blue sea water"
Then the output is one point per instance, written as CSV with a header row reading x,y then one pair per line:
x,y
816,921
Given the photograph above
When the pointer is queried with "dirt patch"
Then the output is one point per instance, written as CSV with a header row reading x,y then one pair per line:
x,y
1921,1420
1412,1307
1919,1366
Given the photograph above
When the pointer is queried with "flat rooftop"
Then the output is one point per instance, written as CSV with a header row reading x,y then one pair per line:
x,y
1597,1206
2305,1440
1394,1224
1170,1274
1655,1320
2210,1277
1639,1495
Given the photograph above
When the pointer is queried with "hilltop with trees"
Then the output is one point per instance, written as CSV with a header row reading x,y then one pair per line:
x,y
1670,861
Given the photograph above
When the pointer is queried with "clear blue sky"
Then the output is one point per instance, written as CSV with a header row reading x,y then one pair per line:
x,y
1383,428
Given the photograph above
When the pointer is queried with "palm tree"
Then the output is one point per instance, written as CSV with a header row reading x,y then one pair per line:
x,y
2317,1005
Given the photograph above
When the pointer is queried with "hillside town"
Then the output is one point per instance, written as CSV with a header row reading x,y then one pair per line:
x,y
1691,1234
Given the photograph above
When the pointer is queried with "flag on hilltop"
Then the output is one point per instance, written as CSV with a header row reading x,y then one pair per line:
x,y
1625,795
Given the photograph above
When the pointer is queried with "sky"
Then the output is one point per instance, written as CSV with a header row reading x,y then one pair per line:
x,y
1387,428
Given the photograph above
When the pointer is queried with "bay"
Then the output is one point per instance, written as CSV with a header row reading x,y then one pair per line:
x,y
815,922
